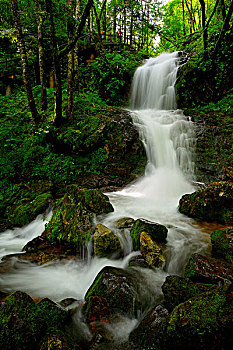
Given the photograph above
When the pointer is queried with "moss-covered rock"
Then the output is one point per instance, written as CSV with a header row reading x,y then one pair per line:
x,y
24,322
177,290
124,223
72,220
222,243
113,293
150,251
157,232
204,269
214,203
203,322
105,241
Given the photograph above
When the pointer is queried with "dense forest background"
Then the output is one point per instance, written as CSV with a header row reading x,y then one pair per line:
x,y
66,65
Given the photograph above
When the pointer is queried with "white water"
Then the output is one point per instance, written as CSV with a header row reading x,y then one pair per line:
x,y
168,138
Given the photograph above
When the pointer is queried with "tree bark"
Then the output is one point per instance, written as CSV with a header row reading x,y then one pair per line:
x,y
205,34
56,66
40,20
24,61
70,64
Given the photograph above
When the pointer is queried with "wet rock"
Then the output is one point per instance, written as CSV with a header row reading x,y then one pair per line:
x,y
148,333
58,341
41,250
72,220
157,232
124,223
113,294
177,290
204,269
214,203
105,241
138,261
24,322
222,243
203,322
150,251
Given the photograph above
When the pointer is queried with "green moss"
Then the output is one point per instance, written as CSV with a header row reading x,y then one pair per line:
x,y
72,220
157,232
221,241
213,203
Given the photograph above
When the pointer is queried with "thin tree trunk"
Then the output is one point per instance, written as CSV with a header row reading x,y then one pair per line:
x,y
24,61
70,64
114,21
184,32
131,27
223,9
205,34
56,66
125,20
40,19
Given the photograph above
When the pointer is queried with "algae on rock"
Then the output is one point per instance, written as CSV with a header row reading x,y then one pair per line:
x,y
72,221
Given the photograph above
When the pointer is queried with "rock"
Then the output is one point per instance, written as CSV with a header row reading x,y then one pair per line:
x,y
222,243
124,223
214,203
72,220
41,250
204,269
113,294
177,290
157,232
138,261
203,322
24,322
148,333
105,241
150,251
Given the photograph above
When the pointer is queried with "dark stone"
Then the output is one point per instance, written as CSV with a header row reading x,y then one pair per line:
x,y
214,203
113,293
222,243
148,333
177,290
204,269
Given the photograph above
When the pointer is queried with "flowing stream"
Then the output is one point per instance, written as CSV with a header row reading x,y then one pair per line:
x,y
168,137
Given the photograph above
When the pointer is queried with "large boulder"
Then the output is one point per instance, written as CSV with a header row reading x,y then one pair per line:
x,y
24,323
148,333
72,220
177,290
222,243
157,232
205,269
203,322
214,203
150,251
114,293
105,241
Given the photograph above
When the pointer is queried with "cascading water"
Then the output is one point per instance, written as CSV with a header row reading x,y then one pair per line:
x,y
168,137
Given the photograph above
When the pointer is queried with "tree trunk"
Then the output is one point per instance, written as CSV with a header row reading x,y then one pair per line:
x,y
40,20
70,64
56,66
184,32
205,34
24,61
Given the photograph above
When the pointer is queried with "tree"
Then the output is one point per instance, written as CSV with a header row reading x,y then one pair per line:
x,y
24,61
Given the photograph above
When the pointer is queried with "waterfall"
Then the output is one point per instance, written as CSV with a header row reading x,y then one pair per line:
x,y
168,137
